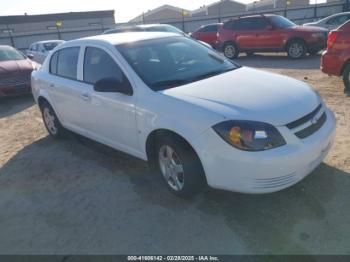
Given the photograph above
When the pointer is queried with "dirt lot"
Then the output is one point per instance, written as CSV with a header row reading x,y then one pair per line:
x,y
78,197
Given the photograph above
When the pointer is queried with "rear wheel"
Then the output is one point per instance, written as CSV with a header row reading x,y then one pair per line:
x,y
52,124
346,78
179,166
231,51
296,49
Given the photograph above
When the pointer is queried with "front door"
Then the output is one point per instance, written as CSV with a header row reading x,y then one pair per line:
x,y
112,115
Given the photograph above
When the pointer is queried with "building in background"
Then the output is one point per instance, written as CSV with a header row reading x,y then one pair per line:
x,y
220,8
270,4
21,31
160,14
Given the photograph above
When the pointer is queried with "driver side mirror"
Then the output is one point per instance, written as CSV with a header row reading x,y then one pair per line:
x,y
30,56
114,85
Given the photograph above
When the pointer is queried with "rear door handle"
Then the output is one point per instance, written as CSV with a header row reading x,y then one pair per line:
x,y
85,97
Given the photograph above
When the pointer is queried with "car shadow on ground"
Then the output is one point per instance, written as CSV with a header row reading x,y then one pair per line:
x,y
307,216
13,105
279,61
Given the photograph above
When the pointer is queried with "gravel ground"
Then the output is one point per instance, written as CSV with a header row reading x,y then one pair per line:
x,y
75,196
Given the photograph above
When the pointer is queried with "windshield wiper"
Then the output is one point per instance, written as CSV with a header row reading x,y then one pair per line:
x,y
211,74
169,83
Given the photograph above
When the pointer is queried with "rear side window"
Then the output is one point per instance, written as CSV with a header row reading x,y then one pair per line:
x,y
53,63
99,65
247,24
67,63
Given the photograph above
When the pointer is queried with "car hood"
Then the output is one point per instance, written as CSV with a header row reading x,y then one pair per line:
x,y
249,94
12,67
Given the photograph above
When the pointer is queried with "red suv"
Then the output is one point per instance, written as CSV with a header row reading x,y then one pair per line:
x,y
336,60
270,33
208,34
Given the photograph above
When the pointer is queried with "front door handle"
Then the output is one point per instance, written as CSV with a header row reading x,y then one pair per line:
x,y
85,97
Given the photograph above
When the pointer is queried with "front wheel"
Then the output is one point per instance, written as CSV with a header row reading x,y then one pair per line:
x,y
231,51
296,49
179,166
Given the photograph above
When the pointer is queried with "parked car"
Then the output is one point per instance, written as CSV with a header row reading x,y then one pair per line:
x,y
336,59
208,34
331,22
270,33
145,28
196,116
39,50
15,70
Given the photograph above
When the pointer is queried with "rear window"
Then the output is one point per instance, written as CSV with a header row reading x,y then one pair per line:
x,y
210,28
50,46
10,54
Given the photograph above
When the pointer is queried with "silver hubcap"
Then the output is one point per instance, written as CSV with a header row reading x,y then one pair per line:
x,y
230,51
50,121
296,50
171,167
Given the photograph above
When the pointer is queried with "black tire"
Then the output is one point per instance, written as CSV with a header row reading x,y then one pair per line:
x,y
314,52
53,127
346,78
230,50
296,49
192,176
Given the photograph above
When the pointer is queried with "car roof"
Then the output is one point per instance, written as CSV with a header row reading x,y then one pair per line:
x,y
122,38
48,41
251,16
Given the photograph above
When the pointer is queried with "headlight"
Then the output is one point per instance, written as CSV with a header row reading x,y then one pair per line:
x,y
250,135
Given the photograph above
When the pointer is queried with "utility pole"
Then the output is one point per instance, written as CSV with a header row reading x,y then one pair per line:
x,y
315,10
10,35
143,17
220,11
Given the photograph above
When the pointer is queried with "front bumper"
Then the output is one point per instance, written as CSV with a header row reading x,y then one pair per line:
x,y
15,90
231,169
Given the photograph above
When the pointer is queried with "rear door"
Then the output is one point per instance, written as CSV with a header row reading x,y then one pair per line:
x,y
246,36
65,89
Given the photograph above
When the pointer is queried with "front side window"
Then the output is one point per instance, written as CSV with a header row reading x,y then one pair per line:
x,y
67,62
99,65
10,54
169,62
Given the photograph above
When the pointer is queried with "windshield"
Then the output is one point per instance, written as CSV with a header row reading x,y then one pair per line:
x,y
174,61
281,22
10,54
51,45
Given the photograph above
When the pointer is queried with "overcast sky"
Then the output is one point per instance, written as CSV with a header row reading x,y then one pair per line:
x,y
124,9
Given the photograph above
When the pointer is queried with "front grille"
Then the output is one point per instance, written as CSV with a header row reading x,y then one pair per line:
x,y
304,119
313,128
15,80
277,182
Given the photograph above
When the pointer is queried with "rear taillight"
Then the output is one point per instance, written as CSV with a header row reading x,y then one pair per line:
x,y
332,37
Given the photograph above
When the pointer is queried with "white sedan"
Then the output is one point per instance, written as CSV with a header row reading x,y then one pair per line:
x,y
197,117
